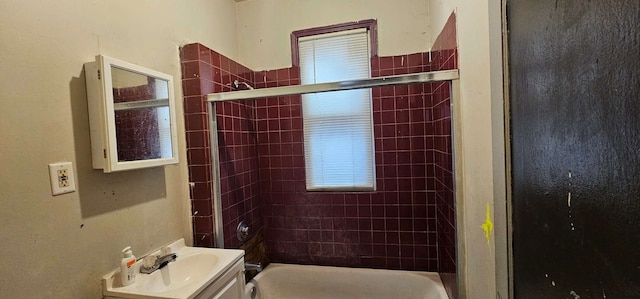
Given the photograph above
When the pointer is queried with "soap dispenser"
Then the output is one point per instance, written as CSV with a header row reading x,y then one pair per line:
x,y
127,267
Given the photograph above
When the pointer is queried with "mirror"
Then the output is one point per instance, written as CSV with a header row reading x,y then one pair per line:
x,y
132,115
141,108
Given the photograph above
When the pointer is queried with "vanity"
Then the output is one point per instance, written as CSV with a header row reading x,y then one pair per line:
x,y
199,273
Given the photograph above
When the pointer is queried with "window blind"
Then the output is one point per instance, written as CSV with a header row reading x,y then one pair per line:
x,y
338,137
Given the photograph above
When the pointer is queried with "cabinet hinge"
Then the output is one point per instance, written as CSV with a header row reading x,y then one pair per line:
x,y
99,76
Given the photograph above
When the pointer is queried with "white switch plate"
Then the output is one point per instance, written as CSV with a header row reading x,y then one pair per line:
x,y
62,178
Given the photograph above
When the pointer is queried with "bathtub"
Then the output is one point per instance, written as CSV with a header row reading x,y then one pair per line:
x,y
285,281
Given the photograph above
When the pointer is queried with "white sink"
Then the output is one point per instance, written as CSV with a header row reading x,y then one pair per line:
x,y
193,270
180,273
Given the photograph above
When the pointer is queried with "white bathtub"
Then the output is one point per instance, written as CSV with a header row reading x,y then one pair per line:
x,y
284,281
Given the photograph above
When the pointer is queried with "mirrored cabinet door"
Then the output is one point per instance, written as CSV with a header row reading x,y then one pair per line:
x,y
132,115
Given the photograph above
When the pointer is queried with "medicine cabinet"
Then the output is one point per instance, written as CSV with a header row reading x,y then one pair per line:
x,y
131,115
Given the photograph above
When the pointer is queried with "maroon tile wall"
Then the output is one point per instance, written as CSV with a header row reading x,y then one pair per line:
x,y
239,179
445,47
445,57
443,166
395,227
205,71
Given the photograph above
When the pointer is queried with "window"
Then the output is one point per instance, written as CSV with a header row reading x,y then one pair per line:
x,y
338,134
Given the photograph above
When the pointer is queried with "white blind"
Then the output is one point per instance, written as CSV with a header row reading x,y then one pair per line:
x,y
338,138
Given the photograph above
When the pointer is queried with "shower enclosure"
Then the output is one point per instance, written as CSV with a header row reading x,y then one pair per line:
x,y
247,164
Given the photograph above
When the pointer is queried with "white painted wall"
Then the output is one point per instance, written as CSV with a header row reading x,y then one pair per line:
x,y
482,152
59,247
440,10
265,26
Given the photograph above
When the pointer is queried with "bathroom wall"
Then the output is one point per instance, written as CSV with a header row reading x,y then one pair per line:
x,y
59,247
479,145
206,71
479,126
264,26
394,227
403,27
439,13
445,56
576,133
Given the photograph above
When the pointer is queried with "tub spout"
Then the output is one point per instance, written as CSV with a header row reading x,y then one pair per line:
x,y
252,266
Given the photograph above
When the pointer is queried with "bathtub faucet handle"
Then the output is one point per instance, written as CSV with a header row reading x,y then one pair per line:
x,y
242,231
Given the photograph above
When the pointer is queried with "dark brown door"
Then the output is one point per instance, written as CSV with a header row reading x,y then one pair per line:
x,y
575,120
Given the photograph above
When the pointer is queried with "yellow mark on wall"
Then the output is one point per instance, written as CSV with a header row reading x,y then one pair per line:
x,y
487,226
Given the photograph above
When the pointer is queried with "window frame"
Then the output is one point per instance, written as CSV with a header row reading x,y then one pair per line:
x,y
371,27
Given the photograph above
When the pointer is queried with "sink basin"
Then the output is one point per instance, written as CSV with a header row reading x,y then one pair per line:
x,y
193,270
178,274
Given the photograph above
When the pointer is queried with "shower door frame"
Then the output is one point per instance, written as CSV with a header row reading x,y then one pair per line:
x,y
451,76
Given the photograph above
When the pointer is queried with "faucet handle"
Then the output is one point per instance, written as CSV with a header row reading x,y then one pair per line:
x,y
149,261
165,250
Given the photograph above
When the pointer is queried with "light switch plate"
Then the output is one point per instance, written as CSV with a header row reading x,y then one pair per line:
x,y
62,178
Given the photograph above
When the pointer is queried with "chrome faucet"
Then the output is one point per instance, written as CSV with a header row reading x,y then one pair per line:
x,y
159,262
252,266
